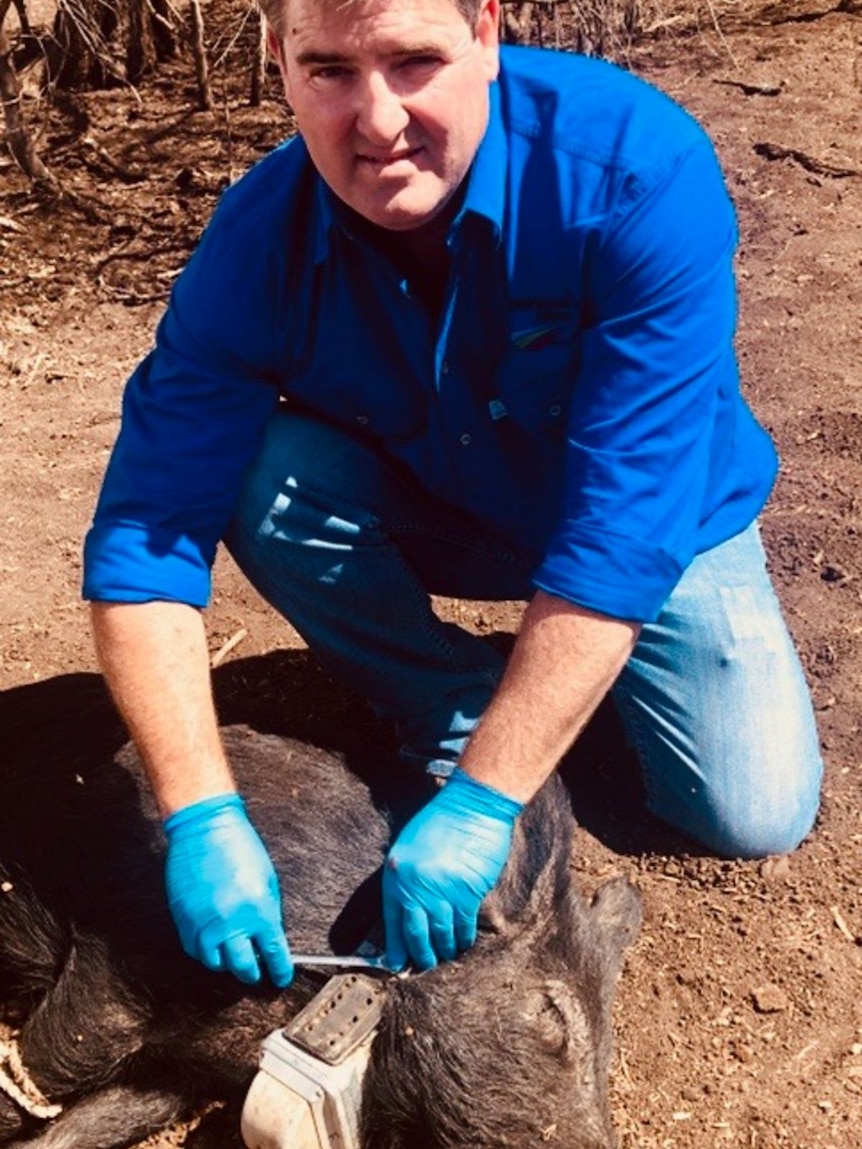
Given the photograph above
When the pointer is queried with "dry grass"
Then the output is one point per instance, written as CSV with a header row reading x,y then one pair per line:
x,y
611,28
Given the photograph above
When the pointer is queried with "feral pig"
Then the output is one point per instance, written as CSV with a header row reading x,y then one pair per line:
x,y
508,1046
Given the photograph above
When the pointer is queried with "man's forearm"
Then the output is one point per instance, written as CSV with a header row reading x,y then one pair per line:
x,y
155,661
565,660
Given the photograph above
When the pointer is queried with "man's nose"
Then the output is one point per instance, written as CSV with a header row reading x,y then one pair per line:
x,y
381,115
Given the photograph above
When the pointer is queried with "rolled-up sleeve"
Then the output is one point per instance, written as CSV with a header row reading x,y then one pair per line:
x,y
656,367
194,413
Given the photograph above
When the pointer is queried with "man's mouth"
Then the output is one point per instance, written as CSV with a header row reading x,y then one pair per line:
x,y
389,159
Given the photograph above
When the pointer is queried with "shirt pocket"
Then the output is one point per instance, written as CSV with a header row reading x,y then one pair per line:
x,y
535,376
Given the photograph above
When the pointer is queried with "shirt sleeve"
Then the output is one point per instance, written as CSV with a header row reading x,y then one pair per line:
x,y
657,364
194,414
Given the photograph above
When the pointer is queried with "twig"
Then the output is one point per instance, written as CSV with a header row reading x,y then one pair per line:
x,y
838,918
773,18
231,175
226,647
127,175
205,99
752,89
249,12
133,254
720,33
810,163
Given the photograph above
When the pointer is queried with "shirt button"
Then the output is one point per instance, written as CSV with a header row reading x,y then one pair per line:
x,y
555,410
362,419
465,440
444,367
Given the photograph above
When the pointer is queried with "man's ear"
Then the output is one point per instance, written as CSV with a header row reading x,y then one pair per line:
x,y
276,51
488,35
274,44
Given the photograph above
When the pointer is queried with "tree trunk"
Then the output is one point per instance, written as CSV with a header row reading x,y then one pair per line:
x,y
17,136
164,30
205,99
102,74
23,19
258,64
140,51
68,62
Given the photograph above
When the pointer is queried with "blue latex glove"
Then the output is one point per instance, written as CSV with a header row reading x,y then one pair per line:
x,y
223,891
441,866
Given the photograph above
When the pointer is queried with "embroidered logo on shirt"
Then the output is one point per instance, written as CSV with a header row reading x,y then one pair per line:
x,y
535,338
536,323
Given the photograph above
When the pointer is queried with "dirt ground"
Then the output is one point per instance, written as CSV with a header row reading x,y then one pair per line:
x,y
739,1021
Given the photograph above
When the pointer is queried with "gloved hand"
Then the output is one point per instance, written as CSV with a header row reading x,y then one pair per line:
x,y
223,891
440,867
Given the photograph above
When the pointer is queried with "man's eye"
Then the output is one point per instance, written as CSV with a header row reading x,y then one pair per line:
x,y
329,72
421,61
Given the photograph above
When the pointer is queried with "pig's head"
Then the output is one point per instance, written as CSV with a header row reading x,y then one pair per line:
x,y
510,1045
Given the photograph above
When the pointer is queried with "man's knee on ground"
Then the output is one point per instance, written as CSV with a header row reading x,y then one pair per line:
x,y
756,826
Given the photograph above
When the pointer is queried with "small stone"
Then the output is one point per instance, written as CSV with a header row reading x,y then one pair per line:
x,y
775,869
770,998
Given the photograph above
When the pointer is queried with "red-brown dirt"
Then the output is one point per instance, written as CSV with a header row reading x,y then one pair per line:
x,y
739,1021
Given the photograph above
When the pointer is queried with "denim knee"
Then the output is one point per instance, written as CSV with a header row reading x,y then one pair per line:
x,y
745,829
716,705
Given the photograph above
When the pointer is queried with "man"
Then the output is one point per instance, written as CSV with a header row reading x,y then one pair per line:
x,y
497,296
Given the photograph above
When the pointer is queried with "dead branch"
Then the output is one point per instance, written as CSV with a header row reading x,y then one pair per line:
x,y
258,65
140,48
18,137
127,175
778,14
226,647
810,163
205,99
164,30
751,89
518,22
23,18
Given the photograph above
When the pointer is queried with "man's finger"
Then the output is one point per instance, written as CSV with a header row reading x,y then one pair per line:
x,y
466,926
240,957
275,953
442,930
417,935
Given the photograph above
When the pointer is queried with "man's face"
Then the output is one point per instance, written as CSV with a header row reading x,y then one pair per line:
x,y
391,98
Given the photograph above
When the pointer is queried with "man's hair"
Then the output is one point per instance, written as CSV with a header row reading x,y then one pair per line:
x,y
275,11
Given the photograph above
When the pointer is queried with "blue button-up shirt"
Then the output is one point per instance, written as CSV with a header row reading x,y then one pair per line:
x,y
578,392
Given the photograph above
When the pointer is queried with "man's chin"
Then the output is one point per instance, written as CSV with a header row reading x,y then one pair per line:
x,y
404,211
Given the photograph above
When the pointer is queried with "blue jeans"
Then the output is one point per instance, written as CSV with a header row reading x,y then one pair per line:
x,y
347,548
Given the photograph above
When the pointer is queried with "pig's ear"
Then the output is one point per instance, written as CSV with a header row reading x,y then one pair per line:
x,y
617,913
536,877
552,1012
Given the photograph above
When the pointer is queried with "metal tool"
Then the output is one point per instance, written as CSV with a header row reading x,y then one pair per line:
x,y
345,961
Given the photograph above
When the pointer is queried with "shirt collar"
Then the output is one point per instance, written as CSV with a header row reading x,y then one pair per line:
x,y
486,187
486,190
